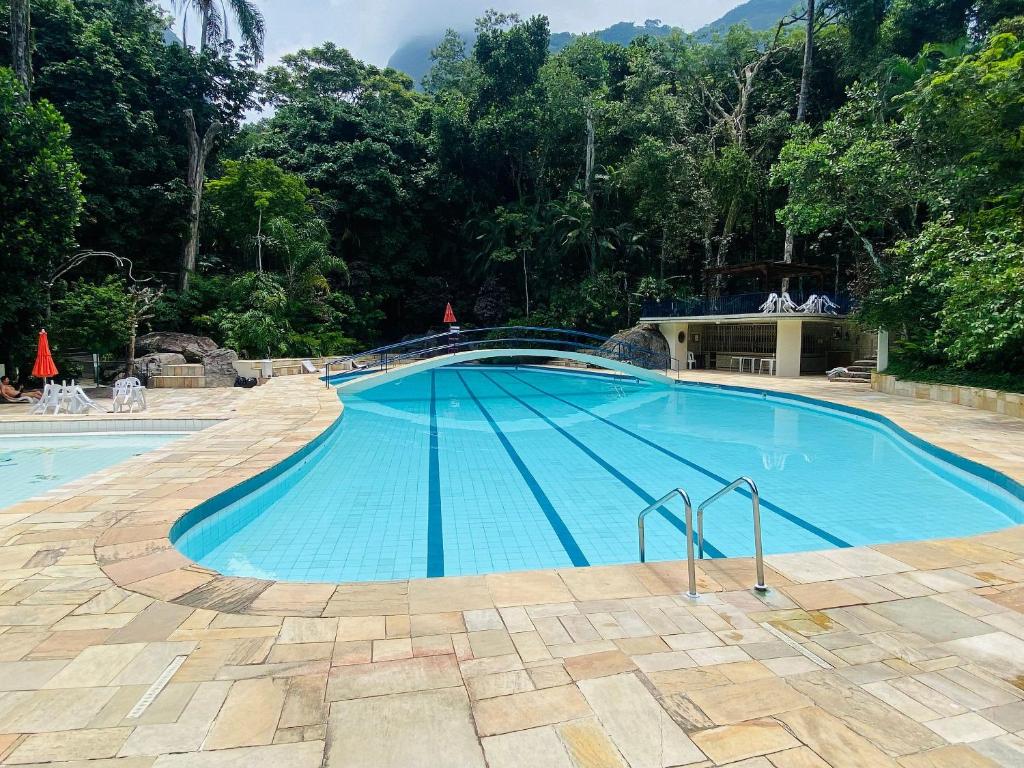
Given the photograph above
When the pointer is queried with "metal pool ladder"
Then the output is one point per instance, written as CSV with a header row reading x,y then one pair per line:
x,y
755,502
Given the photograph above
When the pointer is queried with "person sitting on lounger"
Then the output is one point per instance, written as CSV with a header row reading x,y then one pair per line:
x,y
7,390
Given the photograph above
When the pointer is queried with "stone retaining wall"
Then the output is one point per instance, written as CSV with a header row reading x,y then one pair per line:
x,y
1008,403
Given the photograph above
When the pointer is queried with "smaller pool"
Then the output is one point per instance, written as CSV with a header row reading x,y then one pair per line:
x,y
33,464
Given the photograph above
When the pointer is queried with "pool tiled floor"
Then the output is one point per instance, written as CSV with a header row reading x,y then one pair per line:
x,y
908,655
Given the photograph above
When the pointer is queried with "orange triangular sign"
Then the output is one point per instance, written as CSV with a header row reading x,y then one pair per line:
x,y
449,313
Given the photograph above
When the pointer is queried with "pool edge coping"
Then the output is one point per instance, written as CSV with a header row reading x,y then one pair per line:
x,y
214,590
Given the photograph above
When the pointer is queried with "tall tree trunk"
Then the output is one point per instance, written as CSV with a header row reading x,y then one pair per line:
x,y
588,188
198,152
21,45
801,114
526,282
259,243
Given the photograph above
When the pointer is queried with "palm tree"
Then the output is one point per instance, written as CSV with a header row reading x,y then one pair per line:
x,y
215,16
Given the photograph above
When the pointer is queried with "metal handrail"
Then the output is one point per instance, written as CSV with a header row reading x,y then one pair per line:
x,y
690,565
755,500
391,353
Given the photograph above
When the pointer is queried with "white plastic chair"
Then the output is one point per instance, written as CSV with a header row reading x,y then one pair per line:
x,y
691,361
79,402
813,305
128,393
786,304
771,305
827,306
770,362
308,367
52,398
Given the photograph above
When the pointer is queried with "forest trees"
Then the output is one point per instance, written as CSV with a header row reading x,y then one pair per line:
x,y
564,187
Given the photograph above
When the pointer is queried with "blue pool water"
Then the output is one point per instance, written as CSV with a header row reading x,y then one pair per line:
x,y
479,469
33,464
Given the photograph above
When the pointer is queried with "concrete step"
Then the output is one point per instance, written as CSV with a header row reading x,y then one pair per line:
x,y
177,382
184,369
860,378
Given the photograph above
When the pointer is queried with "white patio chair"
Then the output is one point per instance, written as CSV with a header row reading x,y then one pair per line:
x,y
79,402
771,305
691,361
786,304
128,393
827,306
812,305
53,397
308,367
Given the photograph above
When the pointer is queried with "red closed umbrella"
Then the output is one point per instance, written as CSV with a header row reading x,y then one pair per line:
x,y
44,367
449,314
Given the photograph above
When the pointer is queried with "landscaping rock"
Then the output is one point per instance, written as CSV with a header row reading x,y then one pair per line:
x,y
193,348
646,337
153,364
218,367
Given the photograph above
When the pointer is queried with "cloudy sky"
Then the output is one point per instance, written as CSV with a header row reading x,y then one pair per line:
x,y
372,29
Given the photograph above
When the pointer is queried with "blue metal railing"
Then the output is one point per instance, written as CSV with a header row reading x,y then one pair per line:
x,y
504,337
731,304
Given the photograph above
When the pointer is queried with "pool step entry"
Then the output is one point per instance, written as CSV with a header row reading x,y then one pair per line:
x,y
755,503
182,376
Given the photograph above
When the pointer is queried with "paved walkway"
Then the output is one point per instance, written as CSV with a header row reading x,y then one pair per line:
x,y
115,651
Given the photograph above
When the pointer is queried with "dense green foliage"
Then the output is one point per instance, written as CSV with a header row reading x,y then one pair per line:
x,y
563,188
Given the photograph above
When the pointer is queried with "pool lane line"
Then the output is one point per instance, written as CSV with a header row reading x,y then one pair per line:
x,y
435,526
572,549
673,519
795,519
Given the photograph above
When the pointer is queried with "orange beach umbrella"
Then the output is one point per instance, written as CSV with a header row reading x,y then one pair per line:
x,y
449,314
44,367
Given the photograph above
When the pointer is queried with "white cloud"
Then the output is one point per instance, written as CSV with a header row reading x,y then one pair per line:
x,y
372,30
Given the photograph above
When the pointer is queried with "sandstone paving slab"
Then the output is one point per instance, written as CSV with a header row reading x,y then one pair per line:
x,y
643,732
157,622
799,757
530,709
422,729
1000,652
402,676
187,733
536,747
955,756
965,728
52,710
68,745
731,743
588,744
726,704
881,724
28,675
829,737
307,754
1007,751
250,714
931,619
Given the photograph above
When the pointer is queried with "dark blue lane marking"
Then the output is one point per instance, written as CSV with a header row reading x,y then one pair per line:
x,y
796,520
679,524
435,530
572,549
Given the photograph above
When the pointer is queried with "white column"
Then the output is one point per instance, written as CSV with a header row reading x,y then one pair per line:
x,y
677,348
787,347
883,349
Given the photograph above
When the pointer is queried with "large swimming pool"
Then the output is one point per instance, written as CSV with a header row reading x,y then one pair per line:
x,y
482,468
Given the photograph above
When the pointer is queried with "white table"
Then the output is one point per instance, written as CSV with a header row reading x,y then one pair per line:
x,y
741,360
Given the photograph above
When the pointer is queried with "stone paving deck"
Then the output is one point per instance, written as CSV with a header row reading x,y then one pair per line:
x,y
905,655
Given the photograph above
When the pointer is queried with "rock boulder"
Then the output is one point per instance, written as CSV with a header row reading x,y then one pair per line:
x,y
642,338
218,368
153,364
186,348
193,348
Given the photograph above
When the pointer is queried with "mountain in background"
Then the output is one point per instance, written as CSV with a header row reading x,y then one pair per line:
x,y
757,14
413,56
